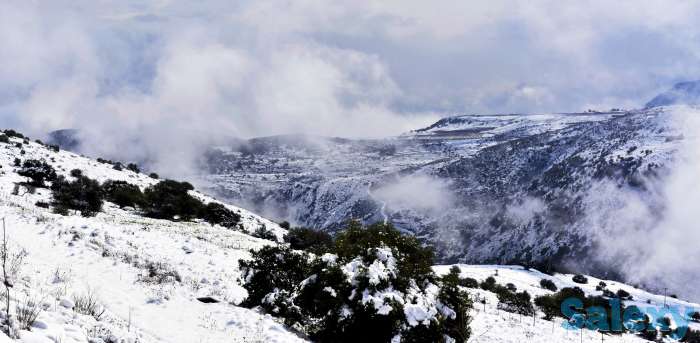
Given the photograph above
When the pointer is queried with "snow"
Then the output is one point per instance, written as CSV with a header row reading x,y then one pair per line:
x,y
111,254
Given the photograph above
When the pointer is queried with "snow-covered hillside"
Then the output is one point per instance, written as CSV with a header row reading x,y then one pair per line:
x,y
164,281
114,256
491,324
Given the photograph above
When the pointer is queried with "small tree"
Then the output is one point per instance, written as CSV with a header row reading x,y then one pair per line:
x,y
450,293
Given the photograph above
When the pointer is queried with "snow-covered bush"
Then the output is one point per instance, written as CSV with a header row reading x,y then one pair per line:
x,y
374,285
83,194
38,171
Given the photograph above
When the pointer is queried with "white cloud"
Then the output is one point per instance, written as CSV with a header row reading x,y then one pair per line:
x,y
654,234
422,193
204,71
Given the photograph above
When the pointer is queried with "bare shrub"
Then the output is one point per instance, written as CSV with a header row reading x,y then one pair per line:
x,y
159,273
88,304
28,311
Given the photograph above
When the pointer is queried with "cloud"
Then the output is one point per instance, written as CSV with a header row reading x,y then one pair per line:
x,y
418,192
655,232
172,76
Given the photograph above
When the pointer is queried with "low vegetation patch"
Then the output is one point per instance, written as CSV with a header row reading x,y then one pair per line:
x,y
83,195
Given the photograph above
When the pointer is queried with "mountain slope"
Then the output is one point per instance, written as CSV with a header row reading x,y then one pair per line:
x,y
482,189
120,256
682,93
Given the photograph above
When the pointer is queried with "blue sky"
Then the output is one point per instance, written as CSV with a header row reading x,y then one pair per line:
x,y
207,70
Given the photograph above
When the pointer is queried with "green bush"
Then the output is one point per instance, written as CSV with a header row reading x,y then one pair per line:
x,y
38,172
489,284
263,232
550,304
133,167
4,139
170,200
337,297
622,294
83,194
456,327
578,278
515,302
548,285
215,213
123,194
315,241
469,283
13,133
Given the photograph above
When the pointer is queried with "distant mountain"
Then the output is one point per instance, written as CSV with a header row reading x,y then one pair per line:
x,y
66,139
481,188
682,93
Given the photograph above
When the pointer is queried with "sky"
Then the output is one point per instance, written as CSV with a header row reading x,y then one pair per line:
x,y
170,75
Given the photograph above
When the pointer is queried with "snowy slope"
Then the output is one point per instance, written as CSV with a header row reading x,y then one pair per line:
x,y
493,325
112,252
